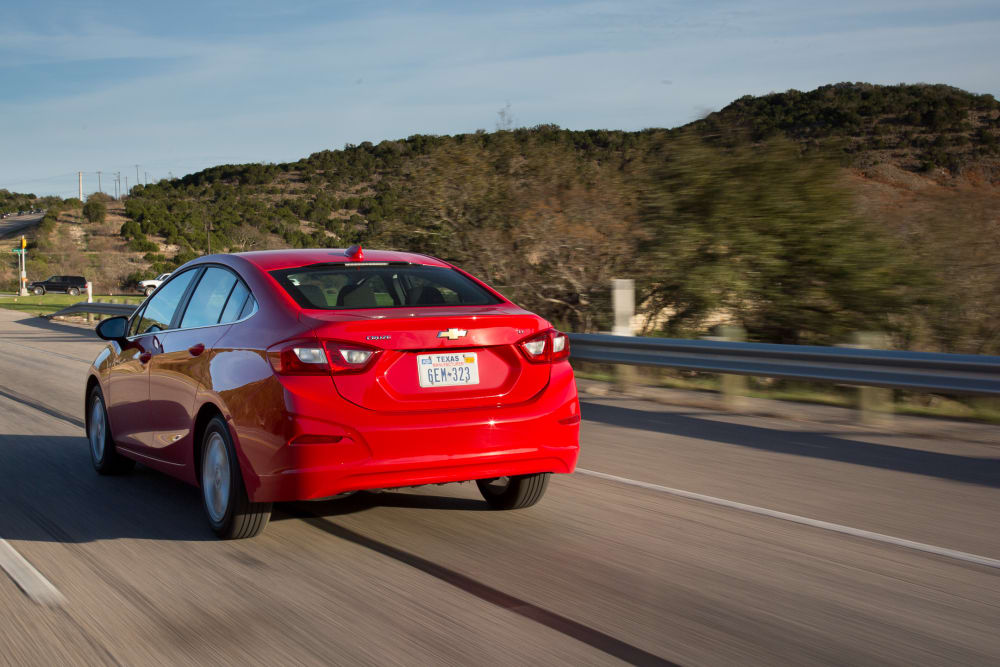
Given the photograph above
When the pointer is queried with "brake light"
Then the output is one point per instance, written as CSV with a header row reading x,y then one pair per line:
x,y
545,347
312,357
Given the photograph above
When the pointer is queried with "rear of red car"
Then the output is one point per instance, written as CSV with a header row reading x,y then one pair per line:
x,y
410,372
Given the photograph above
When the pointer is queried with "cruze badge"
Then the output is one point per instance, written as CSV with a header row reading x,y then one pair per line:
x,y
452,334
383,337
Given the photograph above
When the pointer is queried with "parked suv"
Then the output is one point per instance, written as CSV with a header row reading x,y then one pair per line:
x,y
70,284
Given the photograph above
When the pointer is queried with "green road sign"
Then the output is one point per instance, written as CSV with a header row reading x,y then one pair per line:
x,y
17,251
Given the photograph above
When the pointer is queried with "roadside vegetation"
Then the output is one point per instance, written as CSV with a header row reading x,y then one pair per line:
x,y
801,216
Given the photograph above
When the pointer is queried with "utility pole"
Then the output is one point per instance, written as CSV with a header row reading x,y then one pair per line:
x,y
137,174
208,235
126,184
99,182
118,185
145,178
79,176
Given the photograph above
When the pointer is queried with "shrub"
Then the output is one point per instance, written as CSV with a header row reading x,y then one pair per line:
x,y
94,210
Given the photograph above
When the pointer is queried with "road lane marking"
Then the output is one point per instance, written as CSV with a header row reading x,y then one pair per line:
x,y
612,646
27,578
794,518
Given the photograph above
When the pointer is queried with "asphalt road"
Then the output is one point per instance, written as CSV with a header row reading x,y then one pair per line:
x,y
602,571
18,223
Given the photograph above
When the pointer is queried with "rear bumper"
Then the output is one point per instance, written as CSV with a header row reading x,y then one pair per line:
x,y
331,445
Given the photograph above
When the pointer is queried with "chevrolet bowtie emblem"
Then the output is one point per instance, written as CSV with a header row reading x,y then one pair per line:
x,y
452,334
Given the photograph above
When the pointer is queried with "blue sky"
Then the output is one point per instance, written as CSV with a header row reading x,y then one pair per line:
x,y
176,87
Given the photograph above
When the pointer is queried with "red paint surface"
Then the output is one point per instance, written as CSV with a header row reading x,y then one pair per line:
x,y
311,436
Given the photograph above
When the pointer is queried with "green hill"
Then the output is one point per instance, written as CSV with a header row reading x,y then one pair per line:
x,y
801,215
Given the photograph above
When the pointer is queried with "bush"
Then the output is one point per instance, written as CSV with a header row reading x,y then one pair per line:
x,y
94,210
142,245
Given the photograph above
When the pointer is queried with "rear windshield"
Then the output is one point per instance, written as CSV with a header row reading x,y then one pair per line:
x,y
370,285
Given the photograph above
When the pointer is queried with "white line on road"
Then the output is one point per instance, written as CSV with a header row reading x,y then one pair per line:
x,y
815,523
27,578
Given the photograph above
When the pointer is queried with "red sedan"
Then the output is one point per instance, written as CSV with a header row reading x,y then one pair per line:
x,y
304,374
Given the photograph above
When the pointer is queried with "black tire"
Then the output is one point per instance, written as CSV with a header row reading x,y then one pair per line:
x,y
513,493
149,290
103,452
239,518
38,291
72,291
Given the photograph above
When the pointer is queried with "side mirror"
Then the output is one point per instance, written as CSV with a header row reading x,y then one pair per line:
x,y
113,328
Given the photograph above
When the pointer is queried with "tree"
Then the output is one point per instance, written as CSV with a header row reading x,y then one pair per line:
x,y
94,210
763,236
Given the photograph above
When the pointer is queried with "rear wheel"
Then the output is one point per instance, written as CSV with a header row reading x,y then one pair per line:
x,y
511,493
104,456
38,291
230,512
72,291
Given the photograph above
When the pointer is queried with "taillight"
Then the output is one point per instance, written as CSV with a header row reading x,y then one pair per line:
x,y
349,357
312,357
560,346
545,347
298,358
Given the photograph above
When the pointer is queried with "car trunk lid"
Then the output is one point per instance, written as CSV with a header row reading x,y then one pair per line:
x,y
436,358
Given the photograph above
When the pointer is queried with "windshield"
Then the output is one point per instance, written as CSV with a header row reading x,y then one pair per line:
x,y
370,285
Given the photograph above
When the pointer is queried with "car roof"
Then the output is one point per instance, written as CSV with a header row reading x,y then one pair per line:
x,y
271,260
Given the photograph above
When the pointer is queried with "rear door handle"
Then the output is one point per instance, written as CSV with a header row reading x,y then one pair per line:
x,y
195,350
145,357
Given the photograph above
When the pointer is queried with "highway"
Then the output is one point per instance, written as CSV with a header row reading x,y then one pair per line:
x,y
17,224
614,565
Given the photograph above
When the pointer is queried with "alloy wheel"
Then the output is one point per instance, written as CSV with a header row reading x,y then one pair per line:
x,y
215,477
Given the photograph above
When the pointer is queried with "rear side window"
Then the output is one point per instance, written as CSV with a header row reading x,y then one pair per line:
x,y
209,298
249,308
237,299
371,285
161,306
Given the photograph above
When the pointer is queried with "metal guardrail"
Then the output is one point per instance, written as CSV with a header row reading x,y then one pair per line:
x,y
98,308
919,371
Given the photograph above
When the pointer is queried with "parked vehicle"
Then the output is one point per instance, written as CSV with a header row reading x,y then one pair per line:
x,y
73,285
149,286
304,374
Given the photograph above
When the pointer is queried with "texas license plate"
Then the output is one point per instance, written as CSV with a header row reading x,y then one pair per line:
x,y
448,370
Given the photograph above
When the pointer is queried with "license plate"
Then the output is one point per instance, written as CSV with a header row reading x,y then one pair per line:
x,y
447,370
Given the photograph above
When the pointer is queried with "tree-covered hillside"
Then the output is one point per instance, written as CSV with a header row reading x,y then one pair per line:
x,y
917,126
801,216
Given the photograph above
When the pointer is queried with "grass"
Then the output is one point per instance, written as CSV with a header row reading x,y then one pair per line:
x,y
905,403
50,303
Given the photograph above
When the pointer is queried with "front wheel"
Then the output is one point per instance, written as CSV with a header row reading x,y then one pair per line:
x,y
104,456
149,290
230,512
38,291
512,493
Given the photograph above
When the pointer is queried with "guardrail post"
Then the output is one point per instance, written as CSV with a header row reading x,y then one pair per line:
x,y
623,305
734,387
874,403
99,316
90,299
